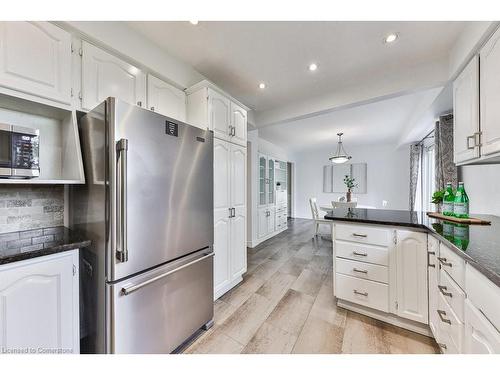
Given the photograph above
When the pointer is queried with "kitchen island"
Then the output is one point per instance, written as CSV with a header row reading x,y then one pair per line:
x,y
431,276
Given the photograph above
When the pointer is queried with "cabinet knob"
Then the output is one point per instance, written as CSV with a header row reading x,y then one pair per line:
x,y
139,103
153,109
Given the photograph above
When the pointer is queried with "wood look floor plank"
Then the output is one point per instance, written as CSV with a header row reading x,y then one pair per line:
x,y
285,304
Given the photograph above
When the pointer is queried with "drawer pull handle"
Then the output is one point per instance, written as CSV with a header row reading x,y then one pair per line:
x,y
360,271
432,265
359,235
443,346
431,252
441,314
443,289
365,294
444,262
360,254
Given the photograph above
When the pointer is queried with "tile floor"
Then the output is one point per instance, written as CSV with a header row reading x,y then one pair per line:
x,y
285,304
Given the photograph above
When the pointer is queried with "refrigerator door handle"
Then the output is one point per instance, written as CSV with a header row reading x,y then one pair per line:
x,y
131,289
121,149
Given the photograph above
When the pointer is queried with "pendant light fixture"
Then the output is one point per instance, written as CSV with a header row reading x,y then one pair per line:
x,y
340,155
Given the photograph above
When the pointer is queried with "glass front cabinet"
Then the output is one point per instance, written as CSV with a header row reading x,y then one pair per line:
x,y
266,180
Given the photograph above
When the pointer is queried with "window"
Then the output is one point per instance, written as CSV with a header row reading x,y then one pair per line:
x,y
426,176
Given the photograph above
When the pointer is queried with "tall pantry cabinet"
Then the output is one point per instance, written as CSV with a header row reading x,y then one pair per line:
x,y
209,107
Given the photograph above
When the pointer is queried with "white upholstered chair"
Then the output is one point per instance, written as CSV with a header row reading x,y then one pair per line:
x,y
317,219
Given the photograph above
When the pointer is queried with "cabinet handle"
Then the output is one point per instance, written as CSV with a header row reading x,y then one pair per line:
x,y
360,254
360,271
469,137
432,265
365,294
153,109
359,235
139,103
230,212
444,262
431,252
443,290
441,314
233,210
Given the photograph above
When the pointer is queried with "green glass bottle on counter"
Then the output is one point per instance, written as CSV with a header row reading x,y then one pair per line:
x,y
461,202
448,200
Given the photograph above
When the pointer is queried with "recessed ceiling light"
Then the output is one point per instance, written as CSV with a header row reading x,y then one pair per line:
x,y
193,22
313,67
262,85
391,38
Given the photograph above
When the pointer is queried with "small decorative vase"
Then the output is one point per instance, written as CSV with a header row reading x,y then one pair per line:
x,y
348,195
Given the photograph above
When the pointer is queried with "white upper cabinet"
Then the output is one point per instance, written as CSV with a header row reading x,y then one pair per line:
x,y
411,254
490,95
166,99
106,75
35,58
238,129
466,113
219,114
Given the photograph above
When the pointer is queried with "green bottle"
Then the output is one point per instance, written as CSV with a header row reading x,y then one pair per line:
x,y
448,200
461,203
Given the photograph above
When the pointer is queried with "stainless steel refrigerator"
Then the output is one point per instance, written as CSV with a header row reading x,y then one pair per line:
x,y
147,206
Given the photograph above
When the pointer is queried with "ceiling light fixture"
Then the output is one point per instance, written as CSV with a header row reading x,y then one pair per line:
x,y
313,67
392,37
340,155
262,85
193,22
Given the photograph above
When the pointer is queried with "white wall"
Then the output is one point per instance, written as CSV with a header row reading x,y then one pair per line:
x,y
388,171
481,184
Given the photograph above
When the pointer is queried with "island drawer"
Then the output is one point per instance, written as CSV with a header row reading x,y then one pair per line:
x,y
361,252
450,326
363,292
362,270
363,234
453,264
452,294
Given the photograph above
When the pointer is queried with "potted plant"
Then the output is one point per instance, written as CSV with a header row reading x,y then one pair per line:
x,y
437,199
350,184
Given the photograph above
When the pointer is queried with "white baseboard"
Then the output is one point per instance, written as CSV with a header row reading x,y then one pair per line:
x,y
254,243
421,328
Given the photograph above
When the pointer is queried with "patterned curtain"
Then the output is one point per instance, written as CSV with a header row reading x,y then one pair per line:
x,y
446,170
415,155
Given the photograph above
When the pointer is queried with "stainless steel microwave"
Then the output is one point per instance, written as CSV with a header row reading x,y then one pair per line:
x,y
19,152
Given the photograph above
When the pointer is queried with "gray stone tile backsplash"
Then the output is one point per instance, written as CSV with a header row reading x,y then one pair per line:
x,y
24,207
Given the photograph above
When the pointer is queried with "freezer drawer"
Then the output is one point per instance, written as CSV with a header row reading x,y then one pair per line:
x,y
158,310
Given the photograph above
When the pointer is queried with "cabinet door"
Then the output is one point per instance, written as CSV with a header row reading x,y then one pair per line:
x,y
39,303
490,95
262,180
222,173
270,181
481,337
271,220
239,124
219,114
466,113
411,266
106,75
238,203
263,217
35,58
166,99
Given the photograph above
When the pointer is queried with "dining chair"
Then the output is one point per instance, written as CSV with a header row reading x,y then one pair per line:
x,y
344,204
315,215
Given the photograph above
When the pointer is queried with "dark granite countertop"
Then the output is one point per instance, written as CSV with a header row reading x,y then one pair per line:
x,y
34,243
479,245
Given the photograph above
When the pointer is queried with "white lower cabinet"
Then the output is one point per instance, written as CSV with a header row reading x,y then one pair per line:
x,y
481,337
39,305
267,220
229,215
411,270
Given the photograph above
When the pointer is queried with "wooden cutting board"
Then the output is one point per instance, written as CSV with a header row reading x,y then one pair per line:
x,y
470,220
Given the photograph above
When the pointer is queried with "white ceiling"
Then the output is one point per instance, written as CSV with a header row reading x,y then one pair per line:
x,y
239,55
384,121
